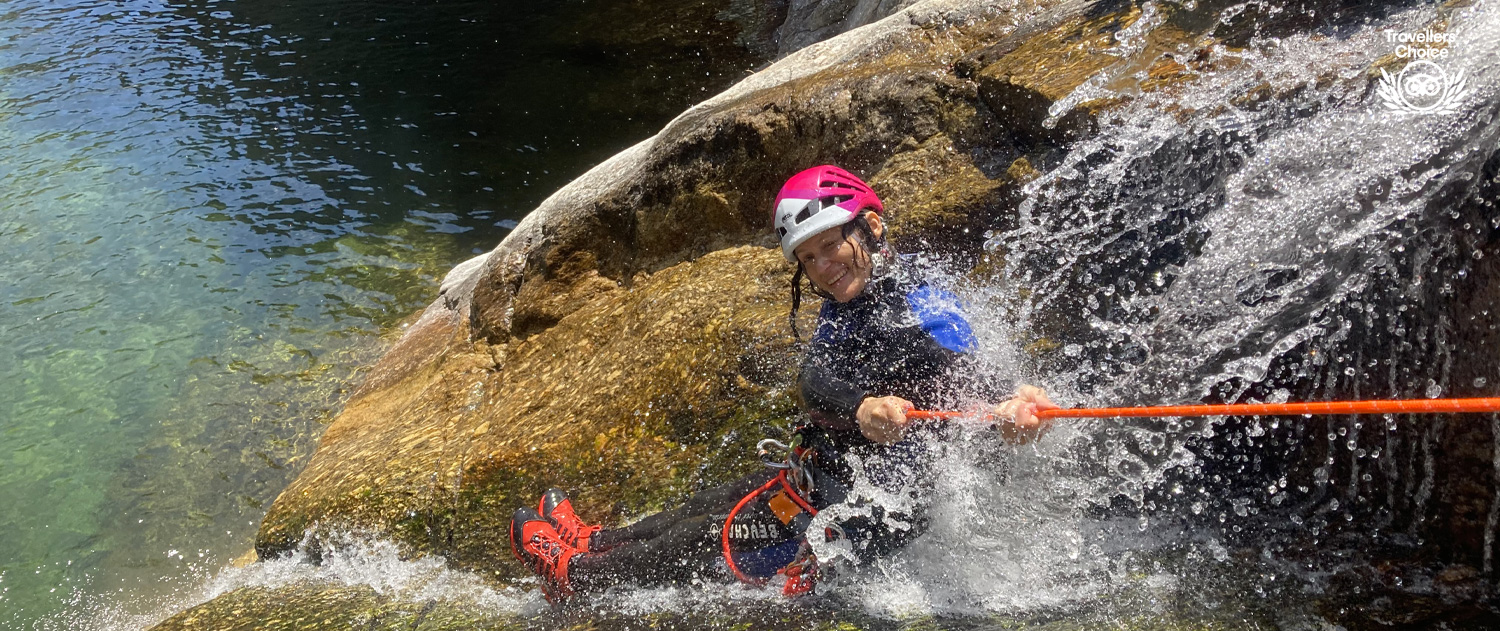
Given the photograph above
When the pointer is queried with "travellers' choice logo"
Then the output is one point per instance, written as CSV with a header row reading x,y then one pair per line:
x,y
1423,86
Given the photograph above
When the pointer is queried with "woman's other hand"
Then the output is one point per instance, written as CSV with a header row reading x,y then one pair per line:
x,y
1019,423
883,419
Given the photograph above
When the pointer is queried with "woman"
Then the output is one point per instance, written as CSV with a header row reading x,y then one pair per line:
x,y
886,342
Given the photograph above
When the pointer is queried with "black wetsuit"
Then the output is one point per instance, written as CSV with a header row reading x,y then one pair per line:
x,y
900,337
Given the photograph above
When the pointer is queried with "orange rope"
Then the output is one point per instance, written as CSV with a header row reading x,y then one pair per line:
x,y
1400,406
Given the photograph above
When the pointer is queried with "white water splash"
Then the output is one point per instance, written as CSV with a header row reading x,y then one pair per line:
x,y
1299,223
351,561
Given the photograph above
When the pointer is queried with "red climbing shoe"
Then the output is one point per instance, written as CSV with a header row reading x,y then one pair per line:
x,y
801,574
558,509
535,543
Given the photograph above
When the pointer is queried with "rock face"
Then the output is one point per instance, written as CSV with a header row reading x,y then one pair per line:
x,y
810,21
621,401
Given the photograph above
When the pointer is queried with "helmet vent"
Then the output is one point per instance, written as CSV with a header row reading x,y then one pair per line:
x,y
807,211
835,200
838,184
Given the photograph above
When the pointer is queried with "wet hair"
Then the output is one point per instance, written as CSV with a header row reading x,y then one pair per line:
x,y
858,226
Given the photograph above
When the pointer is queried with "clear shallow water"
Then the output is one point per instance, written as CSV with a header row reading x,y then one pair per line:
x,y
209,211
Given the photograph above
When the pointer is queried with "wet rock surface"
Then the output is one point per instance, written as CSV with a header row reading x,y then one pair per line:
x,y
810,21
634,399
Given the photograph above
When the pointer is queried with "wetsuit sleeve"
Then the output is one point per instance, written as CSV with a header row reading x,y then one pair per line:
x,y
830,400
941,318
950,336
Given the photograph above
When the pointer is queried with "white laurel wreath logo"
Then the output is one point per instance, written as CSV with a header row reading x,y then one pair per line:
x,y
1422,87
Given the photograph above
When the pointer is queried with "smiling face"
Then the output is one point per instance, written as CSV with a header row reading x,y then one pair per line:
x,y
837,265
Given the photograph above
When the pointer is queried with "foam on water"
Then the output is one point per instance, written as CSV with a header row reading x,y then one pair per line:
x,y
352,561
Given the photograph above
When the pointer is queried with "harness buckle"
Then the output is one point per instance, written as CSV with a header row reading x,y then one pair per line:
x,y
791,462
764,447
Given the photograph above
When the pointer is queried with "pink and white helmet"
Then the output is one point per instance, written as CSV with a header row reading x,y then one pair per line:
x,y
818,199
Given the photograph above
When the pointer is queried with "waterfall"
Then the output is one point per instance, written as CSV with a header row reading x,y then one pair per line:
x,y
1206,243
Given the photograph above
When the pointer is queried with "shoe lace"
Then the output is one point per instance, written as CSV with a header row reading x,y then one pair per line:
x,y
545,550
571,529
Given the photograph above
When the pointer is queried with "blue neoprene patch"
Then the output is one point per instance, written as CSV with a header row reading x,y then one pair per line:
x,y
938,312
764,562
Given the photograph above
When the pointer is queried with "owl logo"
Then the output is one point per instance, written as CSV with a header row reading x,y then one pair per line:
x,y
1422,87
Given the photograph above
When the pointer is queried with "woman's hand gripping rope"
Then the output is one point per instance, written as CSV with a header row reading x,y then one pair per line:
x,y
885,419
1019,418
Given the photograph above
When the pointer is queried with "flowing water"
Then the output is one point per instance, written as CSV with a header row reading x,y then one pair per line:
x,y
1206,243
209,213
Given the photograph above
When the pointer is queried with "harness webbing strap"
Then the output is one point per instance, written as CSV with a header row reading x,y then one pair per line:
x,y
729,521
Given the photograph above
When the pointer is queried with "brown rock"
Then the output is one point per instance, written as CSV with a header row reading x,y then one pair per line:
x,y
622,401
936,193
305,607
1028,78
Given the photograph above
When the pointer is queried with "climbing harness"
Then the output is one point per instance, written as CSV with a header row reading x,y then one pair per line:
x,y
789,505
793,461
